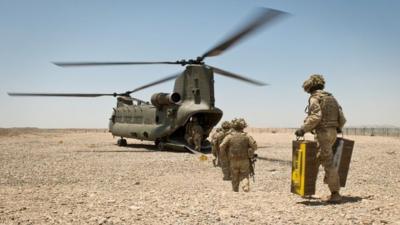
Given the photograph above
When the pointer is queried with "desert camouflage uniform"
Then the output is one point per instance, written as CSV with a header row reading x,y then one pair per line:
x,y
240,147
194,134
214,143
325,117
222,156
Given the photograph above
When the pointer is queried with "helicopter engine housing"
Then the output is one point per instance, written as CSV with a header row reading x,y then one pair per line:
x,y
163,99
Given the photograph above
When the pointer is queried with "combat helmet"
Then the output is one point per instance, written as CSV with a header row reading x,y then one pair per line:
x,y
226,125
315,82
239,124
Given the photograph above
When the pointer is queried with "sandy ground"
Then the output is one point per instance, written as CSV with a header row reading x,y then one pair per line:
x,y
75,177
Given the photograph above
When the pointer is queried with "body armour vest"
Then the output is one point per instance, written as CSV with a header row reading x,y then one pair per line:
x,y
221,136
329,109
238,146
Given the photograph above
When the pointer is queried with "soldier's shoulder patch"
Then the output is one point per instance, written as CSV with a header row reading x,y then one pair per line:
x,y
314,108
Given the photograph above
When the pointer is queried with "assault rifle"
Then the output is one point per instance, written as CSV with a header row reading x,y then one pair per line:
x,y
253,166
216,160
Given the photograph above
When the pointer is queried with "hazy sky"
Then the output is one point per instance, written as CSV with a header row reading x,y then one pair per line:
x,y
354,44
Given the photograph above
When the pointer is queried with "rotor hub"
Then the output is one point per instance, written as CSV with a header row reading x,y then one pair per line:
x,y
184,62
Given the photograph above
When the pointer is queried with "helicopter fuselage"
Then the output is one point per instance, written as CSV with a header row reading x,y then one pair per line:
x,y
165,119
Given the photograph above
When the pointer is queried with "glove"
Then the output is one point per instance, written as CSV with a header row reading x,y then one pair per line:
x,y
339,130
299,133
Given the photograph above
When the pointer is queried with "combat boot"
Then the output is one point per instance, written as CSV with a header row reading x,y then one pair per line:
x,y
325,179
227,174
226,178
216,162
334,198
246,185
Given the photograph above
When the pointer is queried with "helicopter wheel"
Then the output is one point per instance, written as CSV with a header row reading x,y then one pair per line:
x,y
122,142
159,144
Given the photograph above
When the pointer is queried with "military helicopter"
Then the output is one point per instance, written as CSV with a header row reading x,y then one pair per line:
x,y
167,118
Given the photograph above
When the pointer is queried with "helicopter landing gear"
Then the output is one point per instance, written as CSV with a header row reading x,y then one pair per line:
x,y
122,142
159,144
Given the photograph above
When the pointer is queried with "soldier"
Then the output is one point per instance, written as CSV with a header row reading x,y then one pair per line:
x,y
214,146
240,148
194,133
325,119
222,157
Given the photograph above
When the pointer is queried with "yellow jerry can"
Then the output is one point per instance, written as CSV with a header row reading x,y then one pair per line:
x,y
304,167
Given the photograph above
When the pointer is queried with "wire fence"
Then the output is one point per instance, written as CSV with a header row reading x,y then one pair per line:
x,y
371,131
364,131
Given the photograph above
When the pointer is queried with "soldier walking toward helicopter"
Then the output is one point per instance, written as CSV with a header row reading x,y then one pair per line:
x,y
194,133
215,147
240,148
325,119
221,157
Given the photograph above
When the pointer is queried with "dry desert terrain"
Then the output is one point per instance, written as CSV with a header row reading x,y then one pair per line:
x,y
82,177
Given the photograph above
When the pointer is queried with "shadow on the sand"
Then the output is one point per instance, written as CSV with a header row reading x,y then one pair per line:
x,y
149,148
288,162
312,201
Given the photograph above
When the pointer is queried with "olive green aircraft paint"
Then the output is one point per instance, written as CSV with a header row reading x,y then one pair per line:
x,y
159,121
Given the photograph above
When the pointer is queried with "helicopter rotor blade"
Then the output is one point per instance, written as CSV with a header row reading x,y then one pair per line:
x,y
236,76
165,79
263,16
77,64
90,95
87,95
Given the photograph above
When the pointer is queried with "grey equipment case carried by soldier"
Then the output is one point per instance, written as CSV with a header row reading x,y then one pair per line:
x,y
305,164
342,150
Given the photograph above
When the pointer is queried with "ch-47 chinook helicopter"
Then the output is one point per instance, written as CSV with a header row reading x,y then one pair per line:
x,y
166,119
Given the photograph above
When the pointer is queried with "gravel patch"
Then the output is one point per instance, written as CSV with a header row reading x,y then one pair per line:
x,y
84,178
